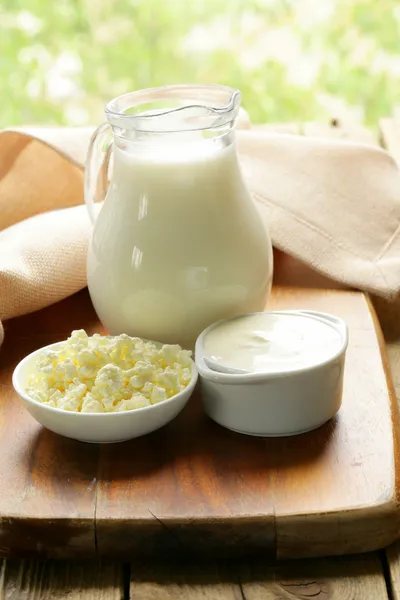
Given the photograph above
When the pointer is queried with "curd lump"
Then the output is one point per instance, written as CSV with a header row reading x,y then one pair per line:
x,y
108,374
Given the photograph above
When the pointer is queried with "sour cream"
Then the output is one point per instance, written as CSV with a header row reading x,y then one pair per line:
x,y
272,342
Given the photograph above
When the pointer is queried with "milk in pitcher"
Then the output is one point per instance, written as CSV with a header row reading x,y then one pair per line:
x,y
178,243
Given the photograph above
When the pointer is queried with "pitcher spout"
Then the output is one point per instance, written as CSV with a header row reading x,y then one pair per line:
x,y
175,108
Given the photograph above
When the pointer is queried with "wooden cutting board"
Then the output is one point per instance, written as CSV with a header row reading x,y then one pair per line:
x,y
194,487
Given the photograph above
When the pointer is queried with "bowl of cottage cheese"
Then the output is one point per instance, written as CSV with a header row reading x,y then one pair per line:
x,y
105,388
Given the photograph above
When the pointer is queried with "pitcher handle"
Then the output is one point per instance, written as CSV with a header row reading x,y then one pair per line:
x,y
96,169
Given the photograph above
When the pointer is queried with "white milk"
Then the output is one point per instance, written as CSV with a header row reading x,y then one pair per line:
x,y
178,243
272,343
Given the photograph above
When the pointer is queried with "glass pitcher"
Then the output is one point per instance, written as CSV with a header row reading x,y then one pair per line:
x,y
178,242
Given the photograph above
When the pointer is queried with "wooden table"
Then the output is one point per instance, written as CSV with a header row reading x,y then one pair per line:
x,y
373,576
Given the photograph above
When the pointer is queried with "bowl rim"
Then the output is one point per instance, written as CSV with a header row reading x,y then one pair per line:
x,y
259,376
17,385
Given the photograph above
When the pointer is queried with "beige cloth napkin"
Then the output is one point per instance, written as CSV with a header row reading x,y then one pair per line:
x,y
334,205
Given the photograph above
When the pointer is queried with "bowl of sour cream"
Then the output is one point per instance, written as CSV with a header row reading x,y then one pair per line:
x,y
275,373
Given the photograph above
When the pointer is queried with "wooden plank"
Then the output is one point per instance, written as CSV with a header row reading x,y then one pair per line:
x,y
291,271
389,317
390,137
199,488
345,578
330,457
59,580
48,482
353,578
190,488
193,486
393,559
388,313
184,581
335,130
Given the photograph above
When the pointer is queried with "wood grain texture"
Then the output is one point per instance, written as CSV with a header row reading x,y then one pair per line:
x,y
190,488
393,560
389,316
193,487
60,580
357,577
390,137
331,473
348,578
47,482
198,488
289,271
184,581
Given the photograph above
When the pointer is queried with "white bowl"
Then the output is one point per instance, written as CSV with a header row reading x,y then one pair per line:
x,y
275,404
98,427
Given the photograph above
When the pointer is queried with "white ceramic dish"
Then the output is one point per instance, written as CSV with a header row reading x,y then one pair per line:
x,y
274,404
99,427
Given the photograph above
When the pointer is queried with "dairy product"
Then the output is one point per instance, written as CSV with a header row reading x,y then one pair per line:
x,y
102,374
268,342
179,243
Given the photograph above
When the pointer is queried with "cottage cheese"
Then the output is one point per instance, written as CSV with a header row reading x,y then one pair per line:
x,y
108,374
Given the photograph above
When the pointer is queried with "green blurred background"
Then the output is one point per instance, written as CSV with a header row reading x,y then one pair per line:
x,y
294,60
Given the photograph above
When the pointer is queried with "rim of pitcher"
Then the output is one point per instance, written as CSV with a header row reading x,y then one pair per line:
x,y
115,108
